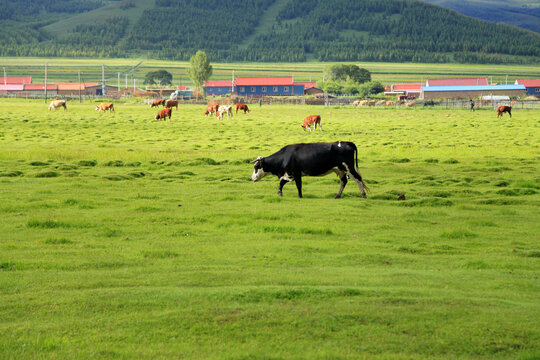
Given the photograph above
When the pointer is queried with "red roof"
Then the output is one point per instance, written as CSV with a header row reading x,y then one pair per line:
x,y
268,81
307,85
407,87
9,80
40,87
457,82
216,83
12,87
74,86
182,87
529,82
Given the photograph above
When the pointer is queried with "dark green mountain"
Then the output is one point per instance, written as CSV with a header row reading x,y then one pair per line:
x,y
262,30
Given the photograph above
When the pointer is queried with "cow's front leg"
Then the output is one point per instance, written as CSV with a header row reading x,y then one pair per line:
x,y
282,183
298,181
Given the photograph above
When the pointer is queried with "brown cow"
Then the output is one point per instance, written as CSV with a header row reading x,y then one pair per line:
x,y
312,119
105,107
242,107
164,113
504,108
158,102
171,103
211,109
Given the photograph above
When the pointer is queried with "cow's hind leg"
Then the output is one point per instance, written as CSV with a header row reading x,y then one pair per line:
x,y
358,178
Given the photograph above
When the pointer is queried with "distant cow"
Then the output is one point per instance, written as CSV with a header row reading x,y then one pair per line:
x,y
389,103
242,107
225,109
164,113
314,159
171,104
502,109
55,104
158,102
105,107
410,104
211,109
312,120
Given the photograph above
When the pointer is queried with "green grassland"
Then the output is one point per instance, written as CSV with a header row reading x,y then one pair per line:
x,y
125,237
65,69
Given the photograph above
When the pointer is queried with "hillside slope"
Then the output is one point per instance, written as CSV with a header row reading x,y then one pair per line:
x,y
521,13
272,30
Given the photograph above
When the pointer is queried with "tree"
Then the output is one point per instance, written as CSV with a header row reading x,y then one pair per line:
x,y
341,72
162,77
200,70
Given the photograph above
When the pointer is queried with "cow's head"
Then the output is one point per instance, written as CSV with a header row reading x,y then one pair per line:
x,y
97,108
258,171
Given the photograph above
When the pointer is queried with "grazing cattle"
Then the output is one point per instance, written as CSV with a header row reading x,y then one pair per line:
x,y
211,109
312,159
242,107
225,109
312,120
171,104
371,102
502,109
162,114
380,102
55,104
429,103
158,102
389,103
105,107
410,104
356,103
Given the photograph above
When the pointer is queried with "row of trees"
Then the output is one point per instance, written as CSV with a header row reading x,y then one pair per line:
x,y
330,30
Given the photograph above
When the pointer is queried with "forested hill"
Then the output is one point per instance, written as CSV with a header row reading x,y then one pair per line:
x,y
266,30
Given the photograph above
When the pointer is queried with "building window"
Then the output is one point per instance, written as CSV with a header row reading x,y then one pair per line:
x,y
537,90
286,89
242,89
264,89
275,89
252,89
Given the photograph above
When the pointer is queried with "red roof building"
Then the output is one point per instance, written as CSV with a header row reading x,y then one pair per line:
x,y
12,80
457,82
182,87
532,85
12,87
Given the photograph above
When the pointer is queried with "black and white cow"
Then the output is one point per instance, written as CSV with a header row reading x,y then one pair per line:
x,y
313,159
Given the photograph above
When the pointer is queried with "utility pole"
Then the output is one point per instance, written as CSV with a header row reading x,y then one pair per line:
x,y
126,80
45,83
5,76
103,89
232,83
506,79
80,101
119,84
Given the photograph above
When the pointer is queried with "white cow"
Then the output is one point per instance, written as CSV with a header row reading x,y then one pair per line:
x,y
225,109
55,104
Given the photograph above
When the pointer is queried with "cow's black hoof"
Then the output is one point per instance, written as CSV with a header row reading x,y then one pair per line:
x,y
280,193
337,197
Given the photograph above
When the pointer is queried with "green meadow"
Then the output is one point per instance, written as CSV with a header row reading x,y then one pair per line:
x,y
126,237
66,69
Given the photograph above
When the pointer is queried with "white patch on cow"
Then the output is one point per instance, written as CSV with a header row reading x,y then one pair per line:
x,y
258,174
339,144
286,177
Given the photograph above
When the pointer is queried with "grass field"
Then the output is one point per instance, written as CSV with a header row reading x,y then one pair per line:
x,y
123,237
62,69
